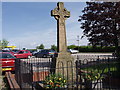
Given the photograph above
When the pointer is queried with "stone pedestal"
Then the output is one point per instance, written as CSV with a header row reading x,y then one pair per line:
x,y
65,66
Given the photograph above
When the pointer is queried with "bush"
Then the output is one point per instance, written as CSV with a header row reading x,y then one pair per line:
x,y
96,49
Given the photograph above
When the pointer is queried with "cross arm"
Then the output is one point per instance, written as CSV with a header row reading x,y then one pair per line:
x,y
54,12
67,13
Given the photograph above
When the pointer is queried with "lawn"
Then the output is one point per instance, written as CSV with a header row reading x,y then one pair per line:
x,y
102,68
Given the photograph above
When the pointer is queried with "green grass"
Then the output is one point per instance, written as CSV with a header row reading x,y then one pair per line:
x,y
102,68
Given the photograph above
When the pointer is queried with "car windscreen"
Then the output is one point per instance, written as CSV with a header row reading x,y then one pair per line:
x,y
6,55
5,51
44,51
15,51
51,51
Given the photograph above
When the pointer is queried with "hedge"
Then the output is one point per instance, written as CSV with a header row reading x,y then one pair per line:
x,y
89,48
94,49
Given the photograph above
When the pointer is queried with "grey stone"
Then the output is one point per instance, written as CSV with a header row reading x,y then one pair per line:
x,y
61,14
64,61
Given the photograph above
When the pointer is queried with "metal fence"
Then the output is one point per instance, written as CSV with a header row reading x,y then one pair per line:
x,y
24,74
88,73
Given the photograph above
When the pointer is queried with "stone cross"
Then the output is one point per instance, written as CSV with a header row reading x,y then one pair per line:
x,y
61,14
64,59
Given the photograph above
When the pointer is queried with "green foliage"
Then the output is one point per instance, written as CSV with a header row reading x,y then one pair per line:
x,y
92,76
53,47
72,47
96,49
32,49
3,43
100,22
54,81
95,71
40,46
92,49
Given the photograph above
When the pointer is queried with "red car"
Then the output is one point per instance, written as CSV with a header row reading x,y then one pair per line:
x,y
23,54
7,61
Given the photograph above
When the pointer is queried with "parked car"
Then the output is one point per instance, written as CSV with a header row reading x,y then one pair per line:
x,y
10,51
15,50
7,61
73,51
45,53
23,54
34,52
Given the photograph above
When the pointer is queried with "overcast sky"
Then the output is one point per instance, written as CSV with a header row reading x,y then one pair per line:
x,y
28,24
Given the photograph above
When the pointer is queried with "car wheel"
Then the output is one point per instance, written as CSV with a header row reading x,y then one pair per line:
x,y
44,56
35,56
29,56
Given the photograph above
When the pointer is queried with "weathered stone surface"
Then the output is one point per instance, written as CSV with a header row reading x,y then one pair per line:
x,y
64,61
64,65
61,14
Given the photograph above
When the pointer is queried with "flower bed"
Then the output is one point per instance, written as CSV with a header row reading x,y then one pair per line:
x,y
54,81
89,77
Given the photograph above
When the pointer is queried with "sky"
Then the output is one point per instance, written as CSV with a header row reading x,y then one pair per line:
x,y
45,0
29,24
0,20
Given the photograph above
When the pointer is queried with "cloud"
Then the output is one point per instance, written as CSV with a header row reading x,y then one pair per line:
x,y
41,33
35,38
72,33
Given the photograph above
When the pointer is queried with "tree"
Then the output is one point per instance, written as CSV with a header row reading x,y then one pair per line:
x,y
40,47
3,43
101,21
72,47
53,47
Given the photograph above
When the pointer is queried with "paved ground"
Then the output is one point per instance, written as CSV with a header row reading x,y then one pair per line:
x,y
0,82
93,54
82,56
44,63
1,78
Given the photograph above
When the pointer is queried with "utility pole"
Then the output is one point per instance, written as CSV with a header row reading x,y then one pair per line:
x,y
78,41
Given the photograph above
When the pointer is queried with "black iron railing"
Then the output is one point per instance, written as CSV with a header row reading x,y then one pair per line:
x,y
88,72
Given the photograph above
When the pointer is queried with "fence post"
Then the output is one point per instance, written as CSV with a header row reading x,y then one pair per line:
x,y
109,73
19,70
77,74
98,59
53,65
31,71
80,75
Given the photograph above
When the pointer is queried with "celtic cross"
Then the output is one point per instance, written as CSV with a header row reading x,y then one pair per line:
x,y
61,14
